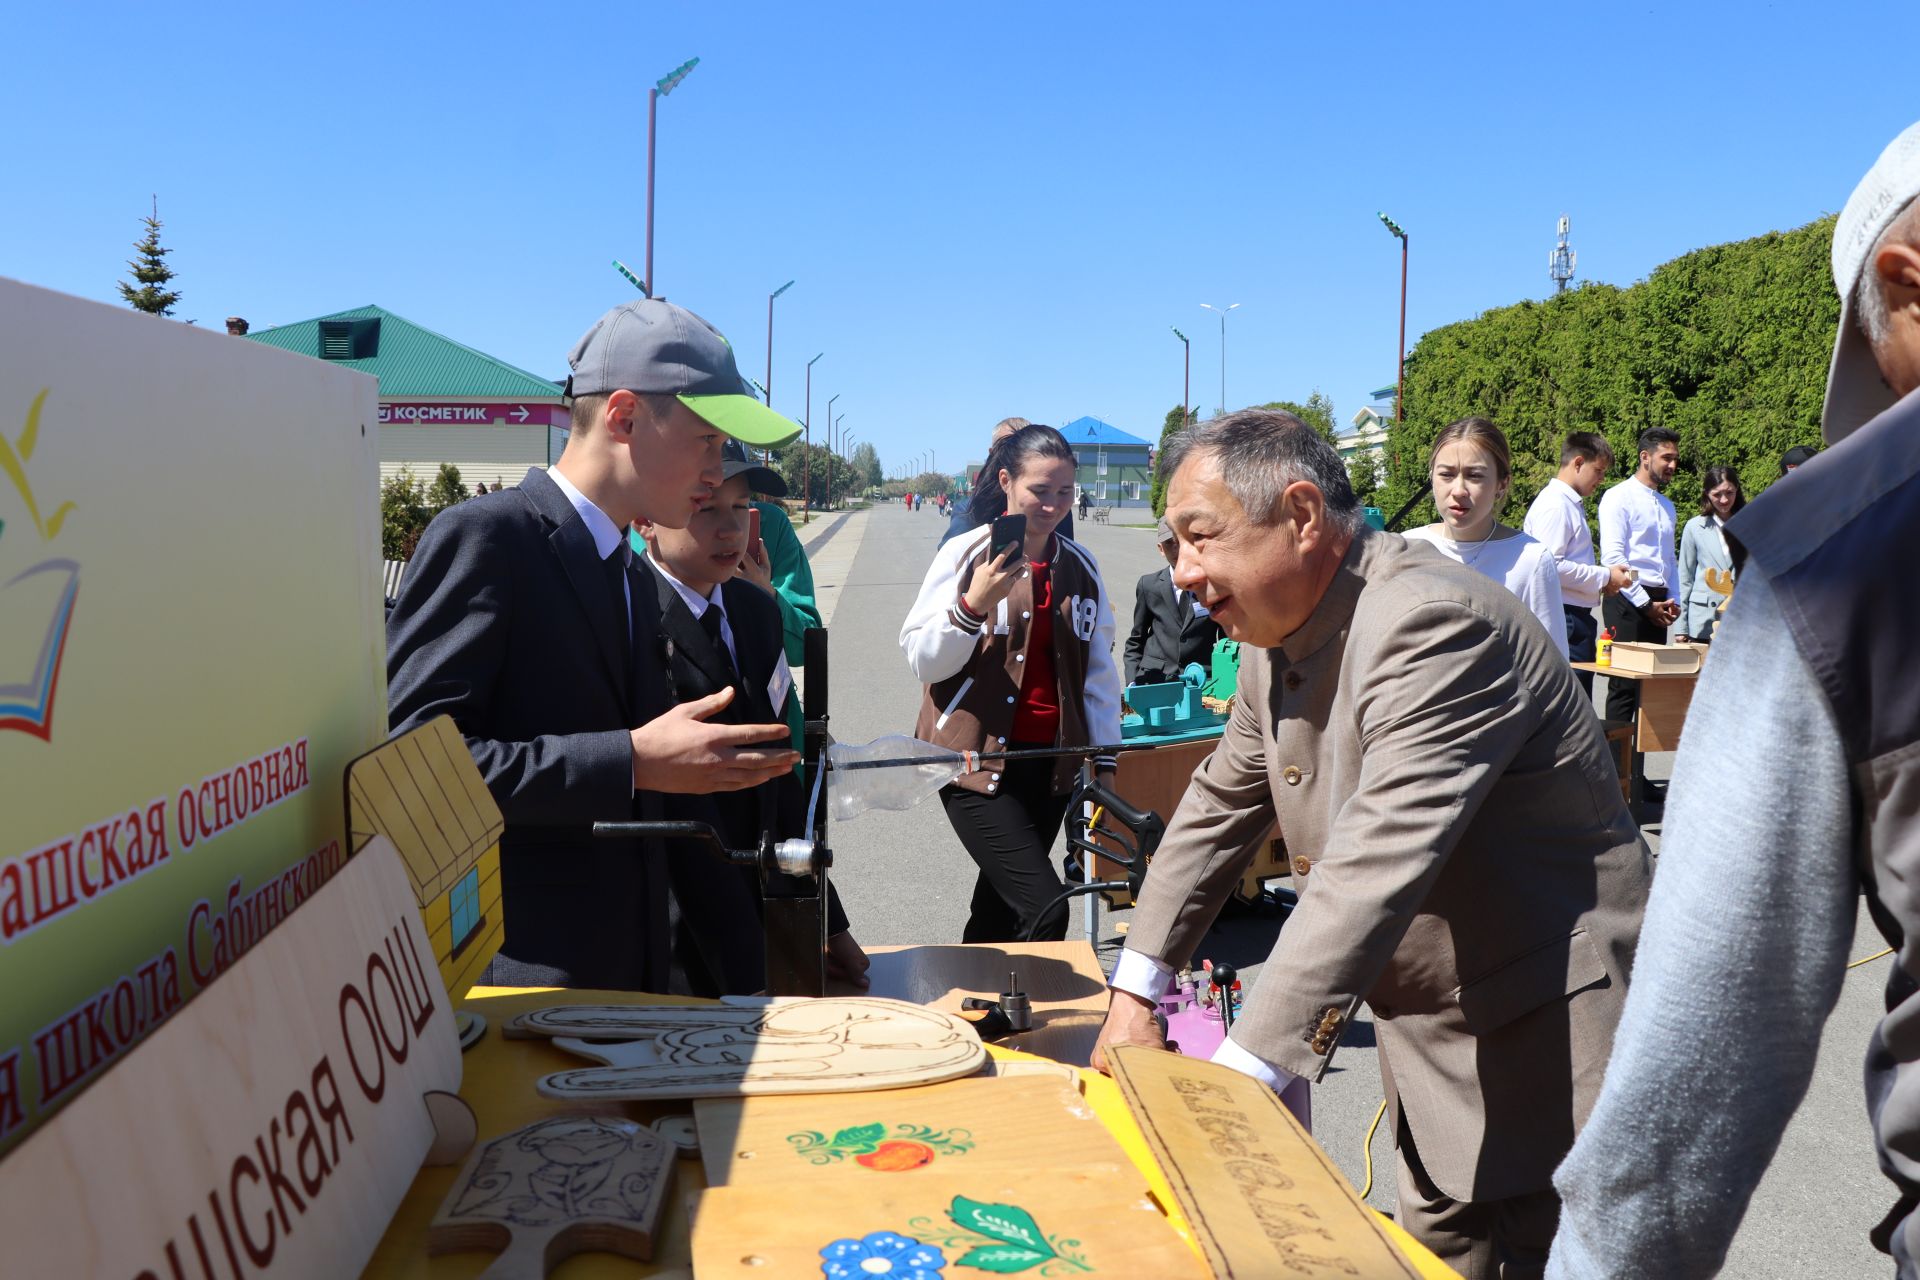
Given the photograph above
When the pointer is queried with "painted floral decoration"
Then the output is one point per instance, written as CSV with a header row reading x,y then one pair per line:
x,y
883,1253
911,1146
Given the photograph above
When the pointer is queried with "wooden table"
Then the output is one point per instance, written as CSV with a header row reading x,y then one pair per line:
x,y
499,1076
1062,979
1663,705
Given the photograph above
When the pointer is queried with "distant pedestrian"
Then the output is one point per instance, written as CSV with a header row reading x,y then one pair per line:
x,y
1558,520
1637,530
1703,546
1083,504
1796,457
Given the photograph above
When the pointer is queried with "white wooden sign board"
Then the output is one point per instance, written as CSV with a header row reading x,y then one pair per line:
x,y
272,1126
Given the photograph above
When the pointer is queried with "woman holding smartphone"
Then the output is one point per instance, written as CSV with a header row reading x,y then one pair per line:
x,y
1471,469
1012,637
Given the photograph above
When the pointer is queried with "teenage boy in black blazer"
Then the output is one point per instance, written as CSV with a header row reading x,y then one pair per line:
x,y
523,617
723,631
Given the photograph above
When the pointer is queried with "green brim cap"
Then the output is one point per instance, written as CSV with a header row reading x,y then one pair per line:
x,y
744,418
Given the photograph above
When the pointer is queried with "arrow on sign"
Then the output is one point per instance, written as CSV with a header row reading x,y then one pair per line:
x,y
519,413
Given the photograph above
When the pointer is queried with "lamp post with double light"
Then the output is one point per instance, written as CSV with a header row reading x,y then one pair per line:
x,y
1222,313
806,452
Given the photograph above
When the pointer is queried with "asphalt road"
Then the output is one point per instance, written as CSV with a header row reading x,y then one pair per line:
x,y
905,879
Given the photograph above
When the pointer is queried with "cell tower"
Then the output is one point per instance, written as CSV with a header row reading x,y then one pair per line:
x,y
1560,261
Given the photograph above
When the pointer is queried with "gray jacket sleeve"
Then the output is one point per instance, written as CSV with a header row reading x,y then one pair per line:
x,y
1740,963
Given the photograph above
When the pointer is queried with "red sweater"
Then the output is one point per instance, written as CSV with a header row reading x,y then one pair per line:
x,y
1037,717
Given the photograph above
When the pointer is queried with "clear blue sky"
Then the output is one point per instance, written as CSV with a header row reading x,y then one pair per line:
x,y
989,209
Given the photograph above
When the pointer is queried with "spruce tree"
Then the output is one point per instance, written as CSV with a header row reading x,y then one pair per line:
x,y
150,269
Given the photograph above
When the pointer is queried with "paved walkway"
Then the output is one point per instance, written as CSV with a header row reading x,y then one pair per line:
x,y
905,879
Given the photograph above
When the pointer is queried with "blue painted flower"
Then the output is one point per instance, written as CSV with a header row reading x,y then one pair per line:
x,y
884,1253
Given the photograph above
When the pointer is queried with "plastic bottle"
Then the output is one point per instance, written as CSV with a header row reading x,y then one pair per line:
x,y
1603,654
852,790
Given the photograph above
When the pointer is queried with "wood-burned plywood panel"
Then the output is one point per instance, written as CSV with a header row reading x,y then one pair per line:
x,y
1051,1221
1262,1199
975,1126
279,1117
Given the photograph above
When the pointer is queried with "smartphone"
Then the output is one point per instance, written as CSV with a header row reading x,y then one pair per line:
x,y
753,532
1009,534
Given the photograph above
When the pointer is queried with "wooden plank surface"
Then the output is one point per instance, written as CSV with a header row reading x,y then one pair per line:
x,y
977,1126
1092,1220
1260,1197
1062,979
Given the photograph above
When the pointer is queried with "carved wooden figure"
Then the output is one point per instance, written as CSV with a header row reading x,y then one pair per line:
x,y
571,1184
768,1046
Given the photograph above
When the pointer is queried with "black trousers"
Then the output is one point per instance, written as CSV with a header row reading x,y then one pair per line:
x,y
1010,836
1623,696
1583,635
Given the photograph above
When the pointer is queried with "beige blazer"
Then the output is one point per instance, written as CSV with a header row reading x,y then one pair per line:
x,y
1466,864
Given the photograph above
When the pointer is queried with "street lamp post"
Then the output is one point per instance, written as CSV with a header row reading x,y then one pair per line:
x,y
664,86
830,452
770,297
1222,312
1400,383
806,452
1186,380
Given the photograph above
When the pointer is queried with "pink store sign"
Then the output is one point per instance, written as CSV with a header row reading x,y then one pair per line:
x,y
439,413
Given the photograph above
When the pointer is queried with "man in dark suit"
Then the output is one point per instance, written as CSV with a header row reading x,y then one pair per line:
x,y
724,631
523,617
1170,627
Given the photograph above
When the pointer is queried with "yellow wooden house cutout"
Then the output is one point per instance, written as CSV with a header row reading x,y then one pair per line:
x,y
423,792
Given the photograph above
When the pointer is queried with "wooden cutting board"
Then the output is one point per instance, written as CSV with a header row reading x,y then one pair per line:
x,y
571,1184
1049,1221
1262,1198
975,1126
835,1044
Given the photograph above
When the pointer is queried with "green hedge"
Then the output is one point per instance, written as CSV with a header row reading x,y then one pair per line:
x,y
1727,345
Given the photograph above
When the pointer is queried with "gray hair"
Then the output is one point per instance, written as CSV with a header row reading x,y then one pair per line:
x,y
1262,451
1870,292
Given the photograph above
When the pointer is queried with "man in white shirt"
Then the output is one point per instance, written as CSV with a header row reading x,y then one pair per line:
x,y
1558,520
1637,530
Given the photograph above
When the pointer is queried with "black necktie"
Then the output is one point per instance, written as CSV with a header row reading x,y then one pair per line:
x,y
710,623
615,566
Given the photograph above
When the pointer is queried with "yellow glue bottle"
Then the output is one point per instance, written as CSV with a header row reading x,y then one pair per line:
x,y
1603,653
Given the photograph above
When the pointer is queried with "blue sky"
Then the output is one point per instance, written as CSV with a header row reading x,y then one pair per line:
x,y
989,209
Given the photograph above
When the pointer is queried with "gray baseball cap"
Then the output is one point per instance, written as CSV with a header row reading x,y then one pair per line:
x,y
651,346
736,461
1856,393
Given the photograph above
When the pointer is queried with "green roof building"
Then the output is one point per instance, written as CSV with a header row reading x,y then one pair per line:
x,y
440,401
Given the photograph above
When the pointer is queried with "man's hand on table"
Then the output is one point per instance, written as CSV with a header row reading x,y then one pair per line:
x,y
846,962
1130,1020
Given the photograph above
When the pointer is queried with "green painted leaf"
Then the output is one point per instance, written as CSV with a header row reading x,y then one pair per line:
x,y
1001,1258
1006,1222
862,1138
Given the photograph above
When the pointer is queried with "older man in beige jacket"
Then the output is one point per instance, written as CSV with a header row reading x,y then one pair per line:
x,y
1465,860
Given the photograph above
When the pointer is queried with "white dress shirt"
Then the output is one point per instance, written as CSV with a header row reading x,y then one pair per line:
x,y
1558,521
606,534
1636,529
1518,563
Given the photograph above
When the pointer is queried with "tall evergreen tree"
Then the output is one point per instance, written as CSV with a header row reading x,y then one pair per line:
x,y
150,269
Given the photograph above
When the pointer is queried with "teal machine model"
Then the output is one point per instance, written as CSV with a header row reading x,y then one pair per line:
x,y
1175,709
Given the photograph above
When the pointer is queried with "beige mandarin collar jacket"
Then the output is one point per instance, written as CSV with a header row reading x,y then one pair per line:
x,y
1465,860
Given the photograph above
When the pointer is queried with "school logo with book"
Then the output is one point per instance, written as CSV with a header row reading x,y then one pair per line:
x,y
37,589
